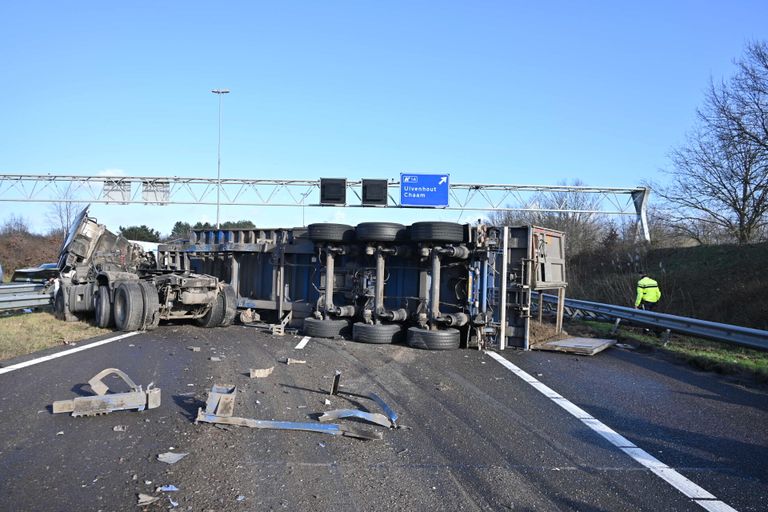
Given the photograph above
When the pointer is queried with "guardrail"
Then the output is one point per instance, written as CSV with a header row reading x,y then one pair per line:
x,y
23,296
14,288
744,336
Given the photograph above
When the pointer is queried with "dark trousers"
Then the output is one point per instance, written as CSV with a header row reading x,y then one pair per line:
x,y
648,306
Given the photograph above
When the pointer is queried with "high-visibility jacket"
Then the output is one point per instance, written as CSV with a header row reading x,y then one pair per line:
x,y
647,290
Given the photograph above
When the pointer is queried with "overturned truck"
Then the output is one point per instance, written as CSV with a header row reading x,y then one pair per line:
x,y
434,285
121,284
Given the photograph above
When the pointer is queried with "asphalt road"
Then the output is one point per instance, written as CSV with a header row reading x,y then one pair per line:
x,y
475,436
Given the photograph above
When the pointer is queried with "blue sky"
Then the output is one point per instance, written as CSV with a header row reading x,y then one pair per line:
x,y
492,92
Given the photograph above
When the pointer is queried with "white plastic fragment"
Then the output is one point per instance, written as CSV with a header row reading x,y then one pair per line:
x,y
194,349
167,488
146,499
260,373
119,428
290,360
214,358
170,457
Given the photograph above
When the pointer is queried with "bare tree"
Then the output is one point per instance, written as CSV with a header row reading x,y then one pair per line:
x,y
584,231
720,175
61,215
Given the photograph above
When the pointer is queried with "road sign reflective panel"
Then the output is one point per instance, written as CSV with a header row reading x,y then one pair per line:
x,y
374,192
333,191
426,190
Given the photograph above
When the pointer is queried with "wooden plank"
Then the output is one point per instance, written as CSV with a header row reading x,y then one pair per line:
x,y
579,346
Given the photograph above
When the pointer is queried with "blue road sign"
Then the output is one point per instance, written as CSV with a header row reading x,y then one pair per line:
x,y
426,190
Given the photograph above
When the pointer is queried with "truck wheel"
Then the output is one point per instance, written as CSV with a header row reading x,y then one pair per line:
x,y
103,308
376,333
230,305
215,315
329,232
443,339
437,232
151,311
380,231
326,328
61,305
128,306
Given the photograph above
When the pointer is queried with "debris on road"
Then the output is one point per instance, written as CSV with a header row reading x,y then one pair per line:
x,y
170,457
215,359
119,428
194,349
220,406
327,402
146,499
60,433
104,403
261,373
290,360
167,488
391,415
371,417
335,386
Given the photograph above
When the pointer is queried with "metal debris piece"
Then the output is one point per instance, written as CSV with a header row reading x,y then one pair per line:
x,y
392,415
194,349
221,400
146,499
171,457
290,360
261,373
119,428
220,404
104,403
279,329
167,488
372,417
335,385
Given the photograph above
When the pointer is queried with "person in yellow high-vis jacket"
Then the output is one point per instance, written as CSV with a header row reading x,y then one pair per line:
x,y
648,293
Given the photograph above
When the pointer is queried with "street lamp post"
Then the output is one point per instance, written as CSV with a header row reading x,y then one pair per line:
x,y
218,92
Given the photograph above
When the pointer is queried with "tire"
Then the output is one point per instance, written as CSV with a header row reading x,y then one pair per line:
x,y
328,232
128,307
215,315
150,317
380,232
230,305
377,333
103,308
444,339
437,232
326,328
61,305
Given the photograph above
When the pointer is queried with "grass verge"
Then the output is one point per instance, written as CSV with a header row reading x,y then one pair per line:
x,y
704,354
30,332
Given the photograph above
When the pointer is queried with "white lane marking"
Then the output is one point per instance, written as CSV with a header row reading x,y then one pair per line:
x,y
700,495
63,353
302,343
715,506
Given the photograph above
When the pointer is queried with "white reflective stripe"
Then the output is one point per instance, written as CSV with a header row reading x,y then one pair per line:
x,y
63,353
607,432
545,390
682,484
716,506
701,496
644,458
302,343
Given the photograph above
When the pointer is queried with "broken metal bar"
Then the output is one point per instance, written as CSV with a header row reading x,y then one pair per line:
x,y
335,385
392,415
331,429
103,403
372,417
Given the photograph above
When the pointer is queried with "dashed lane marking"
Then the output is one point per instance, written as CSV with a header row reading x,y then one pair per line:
x,y
698,494
63,353
302,343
